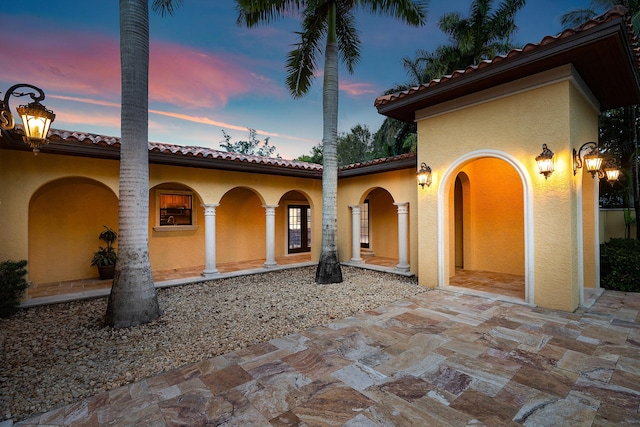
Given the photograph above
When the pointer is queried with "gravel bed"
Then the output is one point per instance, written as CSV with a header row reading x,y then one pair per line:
x,y
57,354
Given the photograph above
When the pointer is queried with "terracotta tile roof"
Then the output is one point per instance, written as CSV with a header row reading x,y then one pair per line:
x,y
101,146
375,162
617,12
179,150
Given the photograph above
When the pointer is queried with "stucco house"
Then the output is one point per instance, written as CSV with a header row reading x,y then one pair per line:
x,y
481,129
487,208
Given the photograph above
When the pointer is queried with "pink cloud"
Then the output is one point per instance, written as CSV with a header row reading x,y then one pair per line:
x,y
351,89
83,119
62,61
86,100
193,79
357,89
88,65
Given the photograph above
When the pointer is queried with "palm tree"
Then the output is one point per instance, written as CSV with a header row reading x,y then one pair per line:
x,y
482,35
334,21
133,298
623,142
579,16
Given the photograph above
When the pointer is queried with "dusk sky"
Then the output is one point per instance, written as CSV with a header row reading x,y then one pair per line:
x,y
208,74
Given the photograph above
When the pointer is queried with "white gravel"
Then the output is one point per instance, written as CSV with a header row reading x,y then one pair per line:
x,y
54,355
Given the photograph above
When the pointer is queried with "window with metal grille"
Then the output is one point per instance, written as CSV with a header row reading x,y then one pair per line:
x,y
364,225
299,228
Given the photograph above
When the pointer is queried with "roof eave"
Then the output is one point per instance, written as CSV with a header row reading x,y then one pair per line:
x,y
112,152
538,59
404,163
203,162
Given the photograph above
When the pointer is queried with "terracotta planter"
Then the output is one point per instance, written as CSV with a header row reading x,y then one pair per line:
x,y
106,271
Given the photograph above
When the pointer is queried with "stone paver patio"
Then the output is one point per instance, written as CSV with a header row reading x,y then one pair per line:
x,y
441,358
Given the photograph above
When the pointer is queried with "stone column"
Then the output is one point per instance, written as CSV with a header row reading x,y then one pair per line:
x,y
403,236
210,240
270,211
355,233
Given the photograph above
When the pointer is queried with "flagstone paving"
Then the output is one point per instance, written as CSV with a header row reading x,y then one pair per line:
x,y
441,358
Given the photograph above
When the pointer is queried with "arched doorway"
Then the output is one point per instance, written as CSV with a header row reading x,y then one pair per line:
x,y
240,229
379,228
65,218
486,232
294,226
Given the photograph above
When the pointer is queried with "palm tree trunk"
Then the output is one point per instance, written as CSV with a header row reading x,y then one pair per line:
x,y
133,298
329,270
635,179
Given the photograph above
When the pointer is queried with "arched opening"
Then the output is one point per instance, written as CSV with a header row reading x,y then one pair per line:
x,y
294,219
65,218
240,230
176,231
462,183
487,236
379,228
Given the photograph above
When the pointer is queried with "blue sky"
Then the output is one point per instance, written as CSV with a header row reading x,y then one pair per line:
x,y
208,74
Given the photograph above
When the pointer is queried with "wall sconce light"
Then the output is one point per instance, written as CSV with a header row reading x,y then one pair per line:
x,y
589,156
424,175
545,161
36,118
611,172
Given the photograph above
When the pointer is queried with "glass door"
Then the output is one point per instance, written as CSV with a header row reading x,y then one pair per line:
x,y
299,228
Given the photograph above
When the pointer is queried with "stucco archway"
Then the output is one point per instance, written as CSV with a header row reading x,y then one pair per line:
x,y
175,244
446,217
65,218
240,224
380,215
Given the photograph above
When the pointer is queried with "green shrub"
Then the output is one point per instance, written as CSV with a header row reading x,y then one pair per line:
x,y
12,286
620,265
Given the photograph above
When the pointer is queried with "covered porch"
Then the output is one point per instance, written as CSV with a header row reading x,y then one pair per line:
x,y
62,291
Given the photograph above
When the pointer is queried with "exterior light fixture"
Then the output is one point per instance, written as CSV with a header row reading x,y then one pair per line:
x,y
36,118
545,161
611,172
424,175
589,156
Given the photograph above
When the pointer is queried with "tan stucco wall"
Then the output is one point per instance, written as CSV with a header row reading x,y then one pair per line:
x,y
383,224
240,227
512,122
494,239
175,249
66,217
390,187
88,189
612,224
23,174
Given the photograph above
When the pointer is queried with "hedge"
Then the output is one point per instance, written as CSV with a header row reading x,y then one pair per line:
x,y
620,265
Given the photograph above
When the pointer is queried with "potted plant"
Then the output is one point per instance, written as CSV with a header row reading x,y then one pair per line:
x,y
105,258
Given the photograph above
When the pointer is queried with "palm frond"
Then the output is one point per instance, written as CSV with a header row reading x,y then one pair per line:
x,y
577,17
252,13
348,38
412,12
302,61
165,7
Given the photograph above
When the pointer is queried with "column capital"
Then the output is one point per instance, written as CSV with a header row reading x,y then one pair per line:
x,y
209,209
355,209
403,207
